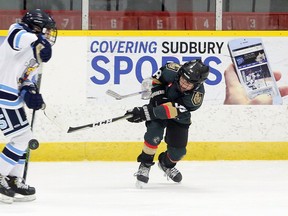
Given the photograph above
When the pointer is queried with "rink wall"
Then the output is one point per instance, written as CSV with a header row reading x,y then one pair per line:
x,y
80,71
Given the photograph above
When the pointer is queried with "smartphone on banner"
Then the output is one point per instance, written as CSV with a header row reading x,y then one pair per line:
x,y
253,69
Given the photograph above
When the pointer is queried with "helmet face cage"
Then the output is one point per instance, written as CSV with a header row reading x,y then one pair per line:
x,y
50,35
40,22
194,72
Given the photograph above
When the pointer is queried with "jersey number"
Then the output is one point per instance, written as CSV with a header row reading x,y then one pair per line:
x,y
180,108
3,123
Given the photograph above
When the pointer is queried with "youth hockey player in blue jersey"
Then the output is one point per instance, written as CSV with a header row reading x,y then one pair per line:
x,y
176,91
27,45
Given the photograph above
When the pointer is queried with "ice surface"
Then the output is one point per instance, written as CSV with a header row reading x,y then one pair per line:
x,y
224,188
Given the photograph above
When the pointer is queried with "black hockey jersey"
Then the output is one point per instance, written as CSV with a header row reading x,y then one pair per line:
x,y
175,104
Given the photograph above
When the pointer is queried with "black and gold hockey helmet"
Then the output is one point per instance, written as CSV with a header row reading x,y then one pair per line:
x,y
195,71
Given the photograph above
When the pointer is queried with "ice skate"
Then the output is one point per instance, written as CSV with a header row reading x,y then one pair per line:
x,y
172,172
6,192
142,175
23,192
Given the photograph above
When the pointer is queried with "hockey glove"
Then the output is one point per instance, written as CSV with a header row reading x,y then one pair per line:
x,y
158,96
42,49
140,114
32,98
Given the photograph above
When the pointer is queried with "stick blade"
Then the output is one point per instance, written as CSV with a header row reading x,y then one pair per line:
x,y
74,129
113,94
70,129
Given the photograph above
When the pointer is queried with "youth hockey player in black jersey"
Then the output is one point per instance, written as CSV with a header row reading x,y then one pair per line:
x,y
176,91
27,45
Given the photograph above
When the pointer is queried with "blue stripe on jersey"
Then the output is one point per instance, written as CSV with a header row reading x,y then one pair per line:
x,y
14,150
9,96
21,161
18,36
8,160
10,156
9,89
11,103
11,38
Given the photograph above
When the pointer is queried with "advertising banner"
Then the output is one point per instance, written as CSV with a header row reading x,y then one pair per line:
x,y
122,63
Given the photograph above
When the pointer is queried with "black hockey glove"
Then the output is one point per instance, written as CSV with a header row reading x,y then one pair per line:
x,y
42,48
140,114
32,98
158,96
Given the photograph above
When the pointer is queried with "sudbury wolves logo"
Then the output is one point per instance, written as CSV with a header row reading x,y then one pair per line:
x,y
197,98
31,66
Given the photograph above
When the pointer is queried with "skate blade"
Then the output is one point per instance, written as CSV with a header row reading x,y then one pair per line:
x,y
140,184
22,198
6,199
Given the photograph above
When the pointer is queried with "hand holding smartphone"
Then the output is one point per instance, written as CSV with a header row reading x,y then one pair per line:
x,y
253,69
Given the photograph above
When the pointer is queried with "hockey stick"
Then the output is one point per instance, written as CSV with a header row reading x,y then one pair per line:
x,y
33,144
120,97
99,123
145,92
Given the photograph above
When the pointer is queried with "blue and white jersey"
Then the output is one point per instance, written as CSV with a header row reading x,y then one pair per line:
x,y
18,65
